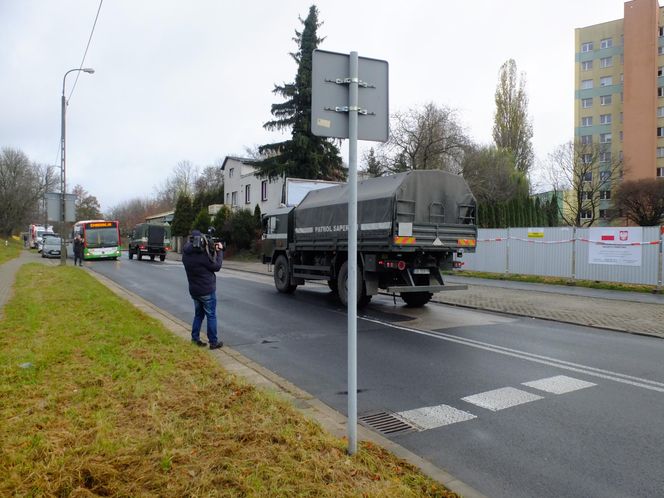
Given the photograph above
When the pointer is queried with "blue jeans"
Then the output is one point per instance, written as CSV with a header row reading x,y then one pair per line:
x,y
205,307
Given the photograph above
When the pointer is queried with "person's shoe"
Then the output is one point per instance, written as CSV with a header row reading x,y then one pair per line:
x,y
199,343
217,345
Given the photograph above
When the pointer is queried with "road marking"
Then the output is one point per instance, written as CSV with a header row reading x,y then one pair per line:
x,y
651,385
431,417
499,399
560,384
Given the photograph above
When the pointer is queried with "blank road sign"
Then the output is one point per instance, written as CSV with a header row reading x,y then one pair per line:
x,y
329,96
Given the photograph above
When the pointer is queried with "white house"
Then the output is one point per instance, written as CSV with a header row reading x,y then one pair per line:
x,y
244,190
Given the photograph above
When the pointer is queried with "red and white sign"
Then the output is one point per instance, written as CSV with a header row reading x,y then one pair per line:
x,y
615,246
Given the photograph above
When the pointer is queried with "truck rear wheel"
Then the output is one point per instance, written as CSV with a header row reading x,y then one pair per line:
x,y
416,299
342,286
131,254
282,276
162,257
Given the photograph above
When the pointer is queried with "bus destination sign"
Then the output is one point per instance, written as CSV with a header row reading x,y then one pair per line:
x,y
101,224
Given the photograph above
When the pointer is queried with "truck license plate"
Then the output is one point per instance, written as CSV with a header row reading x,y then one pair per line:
x,y
421,271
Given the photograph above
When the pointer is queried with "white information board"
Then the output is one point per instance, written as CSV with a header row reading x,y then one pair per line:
x,y
613,246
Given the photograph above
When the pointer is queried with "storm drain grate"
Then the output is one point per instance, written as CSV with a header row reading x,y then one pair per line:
x,y
386,423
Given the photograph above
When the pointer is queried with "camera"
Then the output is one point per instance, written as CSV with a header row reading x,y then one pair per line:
x,y
207,243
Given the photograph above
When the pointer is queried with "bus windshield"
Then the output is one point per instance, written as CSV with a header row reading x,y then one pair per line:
x,y
101,237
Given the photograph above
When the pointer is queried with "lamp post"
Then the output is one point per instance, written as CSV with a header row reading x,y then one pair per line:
x,y
63,218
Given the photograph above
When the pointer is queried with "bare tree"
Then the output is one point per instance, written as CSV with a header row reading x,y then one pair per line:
x,y
211,178
641,201
512,129
22,188
582,174
87,206
429,137
182,181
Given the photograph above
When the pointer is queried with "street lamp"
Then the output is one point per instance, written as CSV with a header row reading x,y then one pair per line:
x,y
63,258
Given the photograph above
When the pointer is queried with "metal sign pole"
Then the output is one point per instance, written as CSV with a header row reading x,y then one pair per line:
x,y
352,253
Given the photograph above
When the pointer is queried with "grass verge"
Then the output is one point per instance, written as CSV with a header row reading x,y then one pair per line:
x,y
592,284
96,398
9,249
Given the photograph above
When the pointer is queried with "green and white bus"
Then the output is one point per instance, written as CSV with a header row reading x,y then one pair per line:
x,y
101,239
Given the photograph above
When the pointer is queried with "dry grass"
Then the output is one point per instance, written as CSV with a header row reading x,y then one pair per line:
x,y
97,399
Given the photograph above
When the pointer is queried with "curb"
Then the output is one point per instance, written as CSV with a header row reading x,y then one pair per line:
x,y
331,420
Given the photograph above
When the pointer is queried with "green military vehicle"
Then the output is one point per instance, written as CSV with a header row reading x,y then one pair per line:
x,y
150,239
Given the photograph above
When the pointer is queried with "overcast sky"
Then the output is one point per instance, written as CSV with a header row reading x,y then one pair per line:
x,y
192,80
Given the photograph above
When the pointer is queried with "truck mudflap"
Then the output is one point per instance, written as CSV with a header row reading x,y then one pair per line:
x,y
425,288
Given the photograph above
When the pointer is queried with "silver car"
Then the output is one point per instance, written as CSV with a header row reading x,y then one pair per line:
x,y
51,247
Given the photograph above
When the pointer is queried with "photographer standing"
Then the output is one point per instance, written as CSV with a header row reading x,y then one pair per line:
x,y
201,261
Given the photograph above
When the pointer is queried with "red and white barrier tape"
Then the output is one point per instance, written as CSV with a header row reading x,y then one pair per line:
x,y
601,242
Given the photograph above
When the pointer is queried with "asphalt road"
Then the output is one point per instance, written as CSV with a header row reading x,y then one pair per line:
x,y
514,407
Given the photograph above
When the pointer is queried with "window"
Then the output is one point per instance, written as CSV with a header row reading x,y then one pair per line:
x,y
586,84
586,196
228,198
264,190
660,172
606,43
659,70
606,62
603,213
587,158
586,214
588,176
586,139
661,31
234,199
587,47
605,138
605,195
605,100
605,119
604,176
660,112
606,81
660,50
586,103
660,151
604,157
621,137
247,194
586,66
660,131
230,172
660,91
621,117
587,121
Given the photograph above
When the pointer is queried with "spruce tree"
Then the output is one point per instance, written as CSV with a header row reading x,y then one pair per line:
x,y
202,221
304,155
183,216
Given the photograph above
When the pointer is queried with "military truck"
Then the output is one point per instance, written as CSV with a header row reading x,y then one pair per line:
x,y
150,239
410,226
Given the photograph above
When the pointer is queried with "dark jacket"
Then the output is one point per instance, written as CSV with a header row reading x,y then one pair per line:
x,y
200,270
78,247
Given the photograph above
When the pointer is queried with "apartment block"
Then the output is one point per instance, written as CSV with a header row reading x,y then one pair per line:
x,y
619,91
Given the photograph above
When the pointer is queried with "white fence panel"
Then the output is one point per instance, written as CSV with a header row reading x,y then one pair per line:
x,y
647,273
549,256
512,251
490,255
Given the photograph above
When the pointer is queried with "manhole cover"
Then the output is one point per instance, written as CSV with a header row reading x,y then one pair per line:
x,y
386,423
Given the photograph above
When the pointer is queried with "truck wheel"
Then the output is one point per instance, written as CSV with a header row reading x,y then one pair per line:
x,y
151,257
131,254
162,257
342,286
416,299
282,276
139,256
